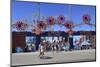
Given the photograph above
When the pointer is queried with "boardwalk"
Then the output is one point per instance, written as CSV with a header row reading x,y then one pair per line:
x,y
70,56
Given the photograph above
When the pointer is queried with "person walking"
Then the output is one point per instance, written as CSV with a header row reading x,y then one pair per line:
x,y
41,49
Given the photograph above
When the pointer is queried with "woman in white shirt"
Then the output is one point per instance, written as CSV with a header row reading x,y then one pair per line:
x,y
41,49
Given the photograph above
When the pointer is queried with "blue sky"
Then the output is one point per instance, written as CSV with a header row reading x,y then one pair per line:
x,y
27,10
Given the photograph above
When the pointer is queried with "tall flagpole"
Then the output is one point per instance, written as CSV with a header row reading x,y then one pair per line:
x,y
70,12
38,11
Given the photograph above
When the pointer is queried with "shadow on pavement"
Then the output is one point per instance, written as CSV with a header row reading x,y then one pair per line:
x,y
45,57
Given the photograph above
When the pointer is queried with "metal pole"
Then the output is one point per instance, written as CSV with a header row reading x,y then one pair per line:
x,y
69,9
39,11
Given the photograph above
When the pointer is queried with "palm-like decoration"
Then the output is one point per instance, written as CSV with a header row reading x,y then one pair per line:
x,y
60,19
69,24
20,26
51,20
86,19
41,24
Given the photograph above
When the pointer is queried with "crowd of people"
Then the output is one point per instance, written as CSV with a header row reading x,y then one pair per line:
x,y
56,45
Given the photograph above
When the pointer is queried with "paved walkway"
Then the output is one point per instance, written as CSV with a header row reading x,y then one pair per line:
x,y
56,57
